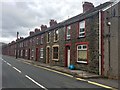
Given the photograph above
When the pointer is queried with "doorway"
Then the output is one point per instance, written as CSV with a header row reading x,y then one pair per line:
x,y
67,60
36,59
47,55
29,54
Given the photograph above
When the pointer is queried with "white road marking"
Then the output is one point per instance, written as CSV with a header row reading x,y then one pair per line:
x,y
9,64
35,82
4,61
17,69
101,85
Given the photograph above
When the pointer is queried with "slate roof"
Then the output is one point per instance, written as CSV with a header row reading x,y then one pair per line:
x,y
72,20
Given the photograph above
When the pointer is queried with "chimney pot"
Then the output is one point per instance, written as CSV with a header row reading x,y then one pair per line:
x,y
31,33
43,27
37,30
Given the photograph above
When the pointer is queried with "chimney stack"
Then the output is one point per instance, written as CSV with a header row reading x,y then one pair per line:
x,y
31,33
21,37
87,6
43,27
52,22
37,30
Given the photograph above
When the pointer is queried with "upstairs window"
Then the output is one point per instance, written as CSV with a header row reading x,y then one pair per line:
x,y
32,53
48,37
41,41
26,52
82,29
68,32
56,32
37,40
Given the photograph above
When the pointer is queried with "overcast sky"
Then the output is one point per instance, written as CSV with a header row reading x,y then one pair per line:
x,y
24,16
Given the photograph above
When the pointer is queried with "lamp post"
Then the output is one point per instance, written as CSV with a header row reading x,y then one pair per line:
x,y
17,46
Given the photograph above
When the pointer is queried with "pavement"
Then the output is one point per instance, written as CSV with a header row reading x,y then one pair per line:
x,y
78,73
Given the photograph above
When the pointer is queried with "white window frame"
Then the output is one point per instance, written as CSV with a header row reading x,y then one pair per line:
x,y
21,53
37,40
48,36
68,35
82,25
82,49
58,52
32,53
55,34
26,52
41,39
41,52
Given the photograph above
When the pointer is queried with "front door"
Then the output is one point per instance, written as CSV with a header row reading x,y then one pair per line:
x,y
67,60
29,54
47,55
36,54
68,57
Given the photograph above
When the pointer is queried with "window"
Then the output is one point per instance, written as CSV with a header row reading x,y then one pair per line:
x,y
48,37
82,29
41,53
32,53
15,53
37,40
56,32
55,53
82,53
26,53
41,41
68,32
21,53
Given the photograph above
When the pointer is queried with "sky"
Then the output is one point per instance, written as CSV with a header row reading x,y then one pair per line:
x,y
26,15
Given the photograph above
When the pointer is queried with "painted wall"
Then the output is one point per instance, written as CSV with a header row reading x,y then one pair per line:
x,y
111,60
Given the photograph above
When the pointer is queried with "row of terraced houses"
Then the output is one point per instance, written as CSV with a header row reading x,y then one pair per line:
x,y
89,41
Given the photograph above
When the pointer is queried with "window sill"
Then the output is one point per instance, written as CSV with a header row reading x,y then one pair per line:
x,y
55,41
84,62
55,59
80,37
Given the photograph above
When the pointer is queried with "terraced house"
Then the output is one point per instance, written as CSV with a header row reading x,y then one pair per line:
x,y
89,41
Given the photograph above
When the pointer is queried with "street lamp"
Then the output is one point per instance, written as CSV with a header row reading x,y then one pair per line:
x,y
17,46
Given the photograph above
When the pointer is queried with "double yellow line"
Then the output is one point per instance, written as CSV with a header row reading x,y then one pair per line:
x,y
91,82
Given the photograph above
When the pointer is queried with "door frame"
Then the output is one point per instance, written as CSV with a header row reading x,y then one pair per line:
x,y
66,54
37,54
47,54
29,54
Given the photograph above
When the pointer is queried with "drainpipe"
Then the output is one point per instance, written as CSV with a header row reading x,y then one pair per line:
x,y
17,46
100,60
109,24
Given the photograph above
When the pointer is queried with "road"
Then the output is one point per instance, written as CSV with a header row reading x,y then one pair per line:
x,y
17,74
